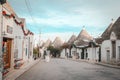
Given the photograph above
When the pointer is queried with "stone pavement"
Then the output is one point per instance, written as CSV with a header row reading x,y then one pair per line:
x,y
98,63
64,69
12,75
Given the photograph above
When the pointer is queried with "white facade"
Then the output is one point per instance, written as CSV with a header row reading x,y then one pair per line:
x,y
14,41
93,53
18,41
73,52
106,51
118,50
107,54
8,33
79,52
63,54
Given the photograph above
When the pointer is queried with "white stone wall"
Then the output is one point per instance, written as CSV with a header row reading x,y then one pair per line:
x,y
73,51
106,45
8,22
118,50
93,53
18,41
63,54
30,47
26,49
41,51
79,51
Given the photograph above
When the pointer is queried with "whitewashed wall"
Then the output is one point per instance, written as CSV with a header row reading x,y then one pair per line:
x,y
8,22
18,41
63,54
93,53
79,51
118,50
41,51
73,51
106,45
30,47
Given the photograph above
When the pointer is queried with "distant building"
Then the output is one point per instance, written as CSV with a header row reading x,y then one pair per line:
x,y
57,43
79,50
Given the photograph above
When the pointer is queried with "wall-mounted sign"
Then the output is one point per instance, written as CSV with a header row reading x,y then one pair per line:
x,y
9,29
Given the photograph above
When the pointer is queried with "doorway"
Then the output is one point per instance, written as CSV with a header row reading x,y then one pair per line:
x,y
6,49
108,56
82,54
99,54
113,49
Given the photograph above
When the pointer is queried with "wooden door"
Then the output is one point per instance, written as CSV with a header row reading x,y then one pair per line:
x,y
7,53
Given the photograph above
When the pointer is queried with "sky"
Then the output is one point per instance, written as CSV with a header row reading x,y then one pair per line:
x,y
63,18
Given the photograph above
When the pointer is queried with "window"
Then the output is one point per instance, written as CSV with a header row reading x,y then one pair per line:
x,y
9,29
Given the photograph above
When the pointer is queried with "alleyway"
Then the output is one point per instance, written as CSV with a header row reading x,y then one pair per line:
x,y
61,69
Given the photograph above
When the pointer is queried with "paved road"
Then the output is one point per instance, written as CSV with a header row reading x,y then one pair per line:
x,y
61,69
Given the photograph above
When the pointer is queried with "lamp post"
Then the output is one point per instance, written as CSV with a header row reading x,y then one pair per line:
x,y
1,40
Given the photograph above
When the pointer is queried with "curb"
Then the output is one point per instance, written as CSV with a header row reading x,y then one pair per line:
x,y
108,65
97,63
20,71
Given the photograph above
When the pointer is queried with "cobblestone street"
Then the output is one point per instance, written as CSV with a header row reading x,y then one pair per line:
x,y
62,69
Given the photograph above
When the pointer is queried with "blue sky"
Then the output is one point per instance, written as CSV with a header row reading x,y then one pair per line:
x,y
66,17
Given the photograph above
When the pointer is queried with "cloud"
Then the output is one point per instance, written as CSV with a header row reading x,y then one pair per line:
x,y
72,14
86,19
64,36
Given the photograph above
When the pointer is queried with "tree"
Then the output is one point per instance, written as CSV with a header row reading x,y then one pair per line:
x,y
35,52
54,51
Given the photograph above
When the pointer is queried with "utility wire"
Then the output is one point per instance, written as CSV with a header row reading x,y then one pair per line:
x,y
29,10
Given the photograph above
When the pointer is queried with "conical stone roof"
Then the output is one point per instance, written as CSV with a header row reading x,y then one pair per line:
x,y
47,43
84,35
72,39
83,38
113,27
57,42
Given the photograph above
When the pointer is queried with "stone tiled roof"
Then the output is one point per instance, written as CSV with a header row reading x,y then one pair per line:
x,y
113,27
82,43
47,43
83,38
84,35
57,42
72,39
98,40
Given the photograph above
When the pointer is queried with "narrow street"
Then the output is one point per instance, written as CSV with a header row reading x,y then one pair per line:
x,y
62,69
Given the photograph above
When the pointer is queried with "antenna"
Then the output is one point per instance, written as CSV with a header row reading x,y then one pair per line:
x,y
112,20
